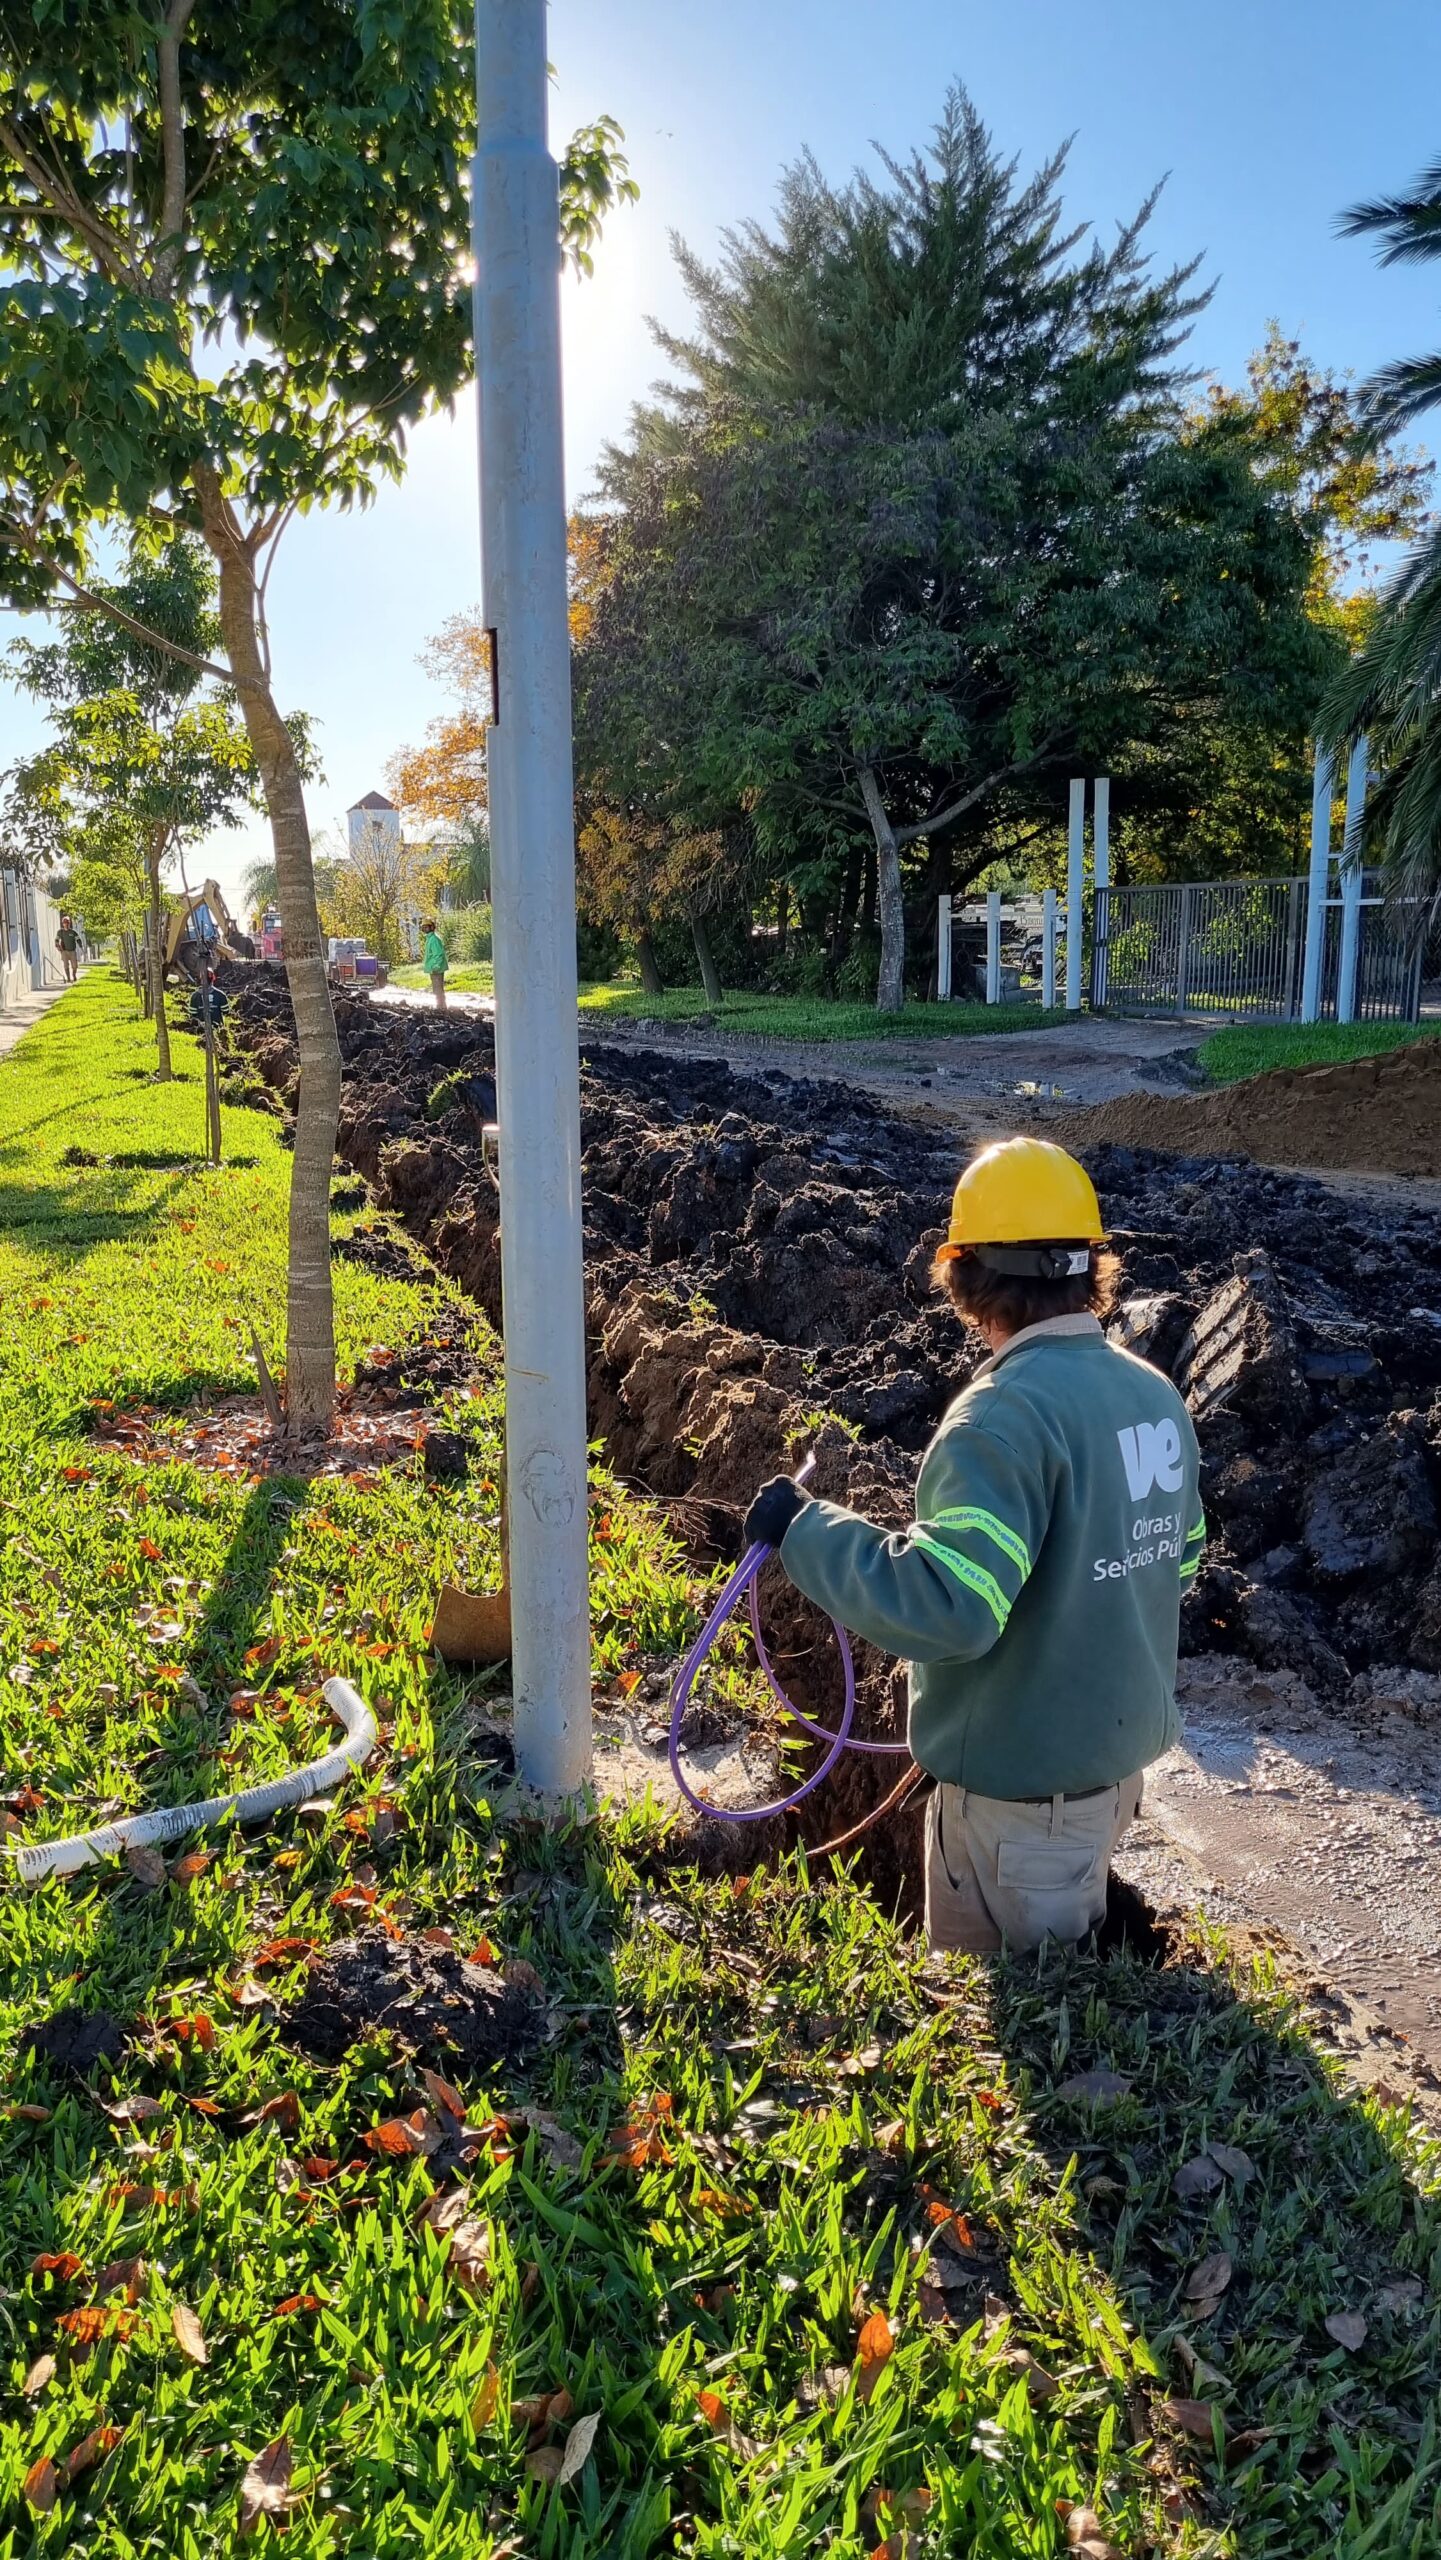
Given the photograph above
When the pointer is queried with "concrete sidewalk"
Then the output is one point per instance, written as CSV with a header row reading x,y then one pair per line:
x,y
17,1016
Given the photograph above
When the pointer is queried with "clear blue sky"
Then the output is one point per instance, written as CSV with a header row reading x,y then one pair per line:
x,y
1265,117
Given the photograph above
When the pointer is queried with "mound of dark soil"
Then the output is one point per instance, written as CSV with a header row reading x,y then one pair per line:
x,y
1373,1115
438,2004
757,1256
75,2040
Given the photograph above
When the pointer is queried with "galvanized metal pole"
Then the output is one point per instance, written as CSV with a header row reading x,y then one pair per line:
x,y
993,946
1101,859
943,948
1075,886
532,851
1351,884
1322,787
1048,950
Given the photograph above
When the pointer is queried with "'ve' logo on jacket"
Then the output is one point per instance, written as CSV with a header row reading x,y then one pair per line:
x,y
1151,1453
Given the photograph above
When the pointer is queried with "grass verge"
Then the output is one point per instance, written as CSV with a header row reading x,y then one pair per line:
x,y
812,1017
1252,1049
467,978
778,2241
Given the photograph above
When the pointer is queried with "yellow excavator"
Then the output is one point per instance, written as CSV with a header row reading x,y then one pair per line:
x,y
200,926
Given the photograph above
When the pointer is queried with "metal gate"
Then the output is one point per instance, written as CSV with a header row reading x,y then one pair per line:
x,y
1237,948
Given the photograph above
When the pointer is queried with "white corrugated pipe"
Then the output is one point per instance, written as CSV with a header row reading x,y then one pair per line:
x,y
253,1804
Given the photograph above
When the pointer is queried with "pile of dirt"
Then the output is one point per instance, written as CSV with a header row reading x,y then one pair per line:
x,y
758,1252
1372,1115
441,2006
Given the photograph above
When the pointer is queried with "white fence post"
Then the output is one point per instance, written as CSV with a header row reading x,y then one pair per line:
x,y
1075,884
1322,786
993,946
1048,951
1351,884
943,947
1101,853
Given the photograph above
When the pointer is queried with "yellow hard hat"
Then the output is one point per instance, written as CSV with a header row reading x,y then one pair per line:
x,y
1024,1191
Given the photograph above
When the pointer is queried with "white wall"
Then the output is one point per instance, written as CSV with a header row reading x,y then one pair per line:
x,y
29,922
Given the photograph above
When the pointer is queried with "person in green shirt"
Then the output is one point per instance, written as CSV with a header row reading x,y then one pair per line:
x,y
1036,1595
432,960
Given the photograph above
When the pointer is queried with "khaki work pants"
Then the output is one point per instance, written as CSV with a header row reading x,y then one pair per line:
x,y
1015,1874
437,989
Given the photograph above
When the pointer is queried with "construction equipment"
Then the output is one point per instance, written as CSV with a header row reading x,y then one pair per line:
x,y
187,924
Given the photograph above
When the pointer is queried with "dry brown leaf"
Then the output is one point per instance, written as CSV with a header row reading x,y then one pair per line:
x,y
1348,2328
1238,2165
891,2137
193,1864
544,2463
449,2100
401,2137
1086,2533
123,2275
874,2349
282,2110
1040,2385
577,2448
94,2321
60,2263
522,1975
41,2486
1095,2088
134,2110
91,2449
41,2372
147,1867
1402,2297
265,2489
1192,2417
250,1994
559,2145
1198,2177
1207,2282
27,2111
189,2336
487,2399
470,2245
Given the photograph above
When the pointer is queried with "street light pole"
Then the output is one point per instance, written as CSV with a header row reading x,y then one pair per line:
x,y
532,841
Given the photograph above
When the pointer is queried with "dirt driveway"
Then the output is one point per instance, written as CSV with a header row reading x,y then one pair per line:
x,y
1276,1813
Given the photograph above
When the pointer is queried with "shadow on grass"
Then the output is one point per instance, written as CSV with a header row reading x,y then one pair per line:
x,y
1238,2195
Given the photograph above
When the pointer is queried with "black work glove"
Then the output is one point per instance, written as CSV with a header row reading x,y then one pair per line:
x,y
772,1512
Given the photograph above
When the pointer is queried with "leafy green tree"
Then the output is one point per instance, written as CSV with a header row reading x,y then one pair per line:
x,y
235,242
1391,691
143,755
928,528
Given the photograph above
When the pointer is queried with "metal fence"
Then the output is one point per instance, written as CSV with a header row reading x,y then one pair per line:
x,y
1237,947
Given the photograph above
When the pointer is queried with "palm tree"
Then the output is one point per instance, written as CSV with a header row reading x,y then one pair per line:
x,y
1391,690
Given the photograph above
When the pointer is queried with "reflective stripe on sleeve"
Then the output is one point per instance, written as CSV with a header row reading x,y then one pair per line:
x,y
974,1576
968,1517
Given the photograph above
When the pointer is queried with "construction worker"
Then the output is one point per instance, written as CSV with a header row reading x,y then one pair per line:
x,y
1037,1595
433,962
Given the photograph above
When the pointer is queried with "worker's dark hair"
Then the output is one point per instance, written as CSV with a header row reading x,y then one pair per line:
x,y
999,1297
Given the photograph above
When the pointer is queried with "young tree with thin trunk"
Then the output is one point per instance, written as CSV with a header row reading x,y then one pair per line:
x,y
236,242
144,756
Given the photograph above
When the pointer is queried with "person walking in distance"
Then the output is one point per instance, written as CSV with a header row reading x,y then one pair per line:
x,y
433,961
67,943
1036,1596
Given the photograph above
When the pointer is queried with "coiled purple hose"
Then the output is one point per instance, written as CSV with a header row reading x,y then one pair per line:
x,y
744,1579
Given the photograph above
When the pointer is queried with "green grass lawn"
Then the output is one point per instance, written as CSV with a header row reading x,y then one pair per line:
x,y
468,978
814,2247
1251,1049
812,1017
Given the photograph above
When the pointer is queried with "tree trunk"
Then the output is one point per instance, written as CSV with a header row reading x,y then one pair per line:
x,y
309,1314
709,975
649,973
164,1073
891,983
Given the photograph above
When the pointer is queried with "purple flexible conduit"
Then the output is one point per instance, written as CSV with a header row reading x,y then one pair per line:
x,y
744,1579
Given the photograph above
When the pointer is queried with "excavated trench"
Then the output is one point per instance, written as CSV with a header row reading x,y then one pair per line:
x,y
757,1252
